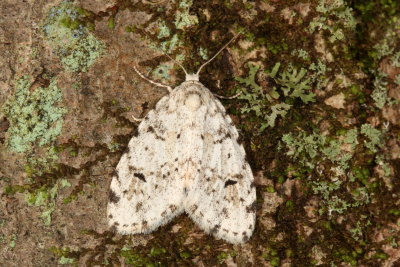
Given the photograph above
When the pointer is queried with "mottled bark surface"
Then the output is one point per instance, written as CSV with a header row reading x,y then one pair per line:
x,y
318,116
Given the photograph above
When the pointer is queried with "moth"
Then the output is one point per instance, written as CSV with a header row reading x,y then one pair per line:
x,y
185,158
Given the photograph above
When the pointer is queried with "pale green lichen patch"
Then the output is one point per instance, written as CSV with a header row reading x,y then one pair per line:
x,y
317,151
70,37
183,18
374,137
343,17
290,84
46,199
35,116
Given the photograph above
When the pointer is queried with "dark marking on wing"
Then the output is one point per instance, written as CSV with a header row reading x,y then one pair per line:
x,y
238,176
252,207
151,130
131,168
112,197
139,206
245,237
173,208
225,212
116,223
215,229
229,155
193,208
230,182
113,229
223,138
178,136
125,225
110,216
140,176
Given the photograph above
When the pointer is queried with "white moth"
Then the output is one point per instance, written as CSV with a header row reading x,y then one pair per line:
x,y
185,158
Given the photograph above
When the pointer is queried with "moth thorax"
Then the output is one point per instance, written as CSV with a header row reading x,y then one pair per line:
x,y
193,101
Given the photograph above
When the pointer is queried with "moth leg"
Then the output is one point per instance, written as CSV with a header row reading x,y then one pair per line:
x,y
152,82
137,119
228,97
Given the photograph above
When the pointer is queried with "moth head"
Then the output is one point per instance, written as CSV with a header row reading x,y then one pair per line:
x,y
192,77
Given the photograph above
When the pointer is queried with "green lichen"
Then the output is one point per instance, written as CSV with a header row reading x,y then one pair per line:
x,y
304,147
70,37
135,259
333,10
65,260
375,137
162,72
13,240
64,254
294,84
396,60
183,19
266,105
379,95
301,53
163,29
35,117
45,198
312,150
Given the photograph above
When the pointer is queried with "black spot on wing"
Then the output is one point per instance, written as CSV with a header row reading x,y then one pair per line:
x,y
153,131
230,182
252,207
127,150
173,208
140,176
215,229
139,206
193,208
222,139
245,237
112,197
113,229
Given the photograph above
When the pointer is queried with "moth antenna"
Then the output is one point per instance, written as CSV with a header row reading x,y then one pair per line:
x,y
197,73
176,62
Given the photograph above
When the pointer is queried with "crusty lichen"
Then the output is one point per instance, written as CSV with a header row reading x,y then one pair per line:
x,y
35,117
70,37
